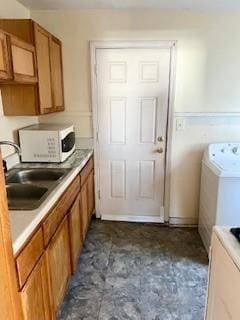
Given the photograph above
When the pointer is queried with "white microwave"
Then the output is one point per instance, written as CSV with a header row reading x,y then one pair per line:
x,y
47,142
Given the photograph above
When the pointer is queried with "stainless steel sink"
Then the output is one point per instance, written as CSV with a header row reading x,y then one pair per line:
x,y
25,197
28,188
35,175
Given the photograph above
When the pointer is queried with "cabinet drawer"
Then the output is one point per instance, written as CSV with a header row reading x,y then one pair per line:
x,y
86,171
29,256
53,220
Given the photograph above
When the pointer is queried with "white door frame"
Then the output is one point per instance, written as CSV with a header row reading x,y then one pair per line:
x,y
162,44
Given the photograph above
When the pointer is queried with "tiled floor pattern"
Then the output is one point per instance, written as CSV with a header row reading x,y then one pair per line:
x,y
131,271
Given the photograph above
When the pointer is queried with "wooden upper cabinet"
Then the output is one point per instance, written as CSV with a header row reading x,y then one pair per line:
x,y
5,62
46,95
57,74
42,42
23,61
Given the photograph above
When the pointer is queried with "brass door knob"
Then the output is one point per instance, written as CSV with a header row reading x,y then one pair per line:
x,y
159,150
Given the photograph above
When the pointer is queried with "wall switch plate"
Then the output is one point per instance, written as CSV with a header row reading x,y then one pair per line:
x,y
180,124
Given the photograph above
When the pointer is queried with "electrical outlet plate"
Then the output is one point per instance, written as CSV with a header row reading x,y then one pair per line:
x,y
180,124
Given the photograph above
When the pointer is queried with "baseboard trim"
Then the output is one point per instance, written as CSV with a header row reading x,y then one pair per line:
x,y
129,218
183,222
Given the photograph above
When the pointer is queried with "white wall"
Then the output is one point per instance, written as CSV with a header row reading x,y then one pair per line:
x,y
208,79
9,125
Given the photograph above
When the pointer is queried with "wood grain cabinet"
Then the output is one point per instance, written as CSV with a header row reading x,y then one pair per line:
x,y
75,232
90,187
87,196
84,210
58,262
56,74
42,43
23,61
51,254
5,61
223,286
35,294
46,96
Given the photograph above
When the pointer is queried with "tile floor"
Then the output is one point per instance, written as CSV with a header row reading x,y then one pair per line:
x,y
140,272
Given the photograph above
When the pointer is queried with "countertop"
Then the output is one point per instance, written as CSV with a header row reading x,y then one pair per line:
x,y
229,242
23,223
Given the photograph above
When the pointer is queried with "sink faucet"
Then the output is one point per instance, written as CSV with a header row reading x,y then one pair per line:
x,y
17,148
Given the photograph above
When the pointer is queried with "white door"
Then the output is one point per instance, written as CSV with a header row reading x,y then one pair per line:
x,y
132,103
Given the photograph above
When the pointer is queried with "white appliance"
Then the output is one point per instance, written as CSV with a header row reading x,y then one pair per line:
x,y
220,189
47,142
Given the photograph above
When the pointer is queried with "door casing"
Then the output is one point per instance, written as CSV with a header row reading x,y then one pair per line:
x,y
161,44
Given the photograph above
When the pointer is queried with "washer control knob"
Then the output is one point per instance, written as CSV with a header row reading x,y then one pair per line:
x,y
236,150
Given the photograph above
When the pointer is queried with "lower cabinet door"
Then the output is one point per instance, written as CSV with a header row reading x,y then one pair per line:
x,y
35,294
84,210
224,284
90,183
58,261
75,233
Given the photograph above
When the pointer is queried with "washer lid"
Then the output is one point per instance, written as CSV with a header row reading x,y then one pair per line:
x,y
226,157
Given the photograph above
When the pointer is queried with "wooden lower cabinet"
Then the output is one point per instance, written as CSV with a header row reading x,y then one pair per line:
x,y
46,262
224,284
90,187
84,210
75,232
58,262
35,294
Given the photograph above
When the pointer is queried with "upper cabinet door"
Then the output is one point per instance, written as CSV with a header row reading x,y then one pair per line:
x,y
23,61
57,74
42,42
5,64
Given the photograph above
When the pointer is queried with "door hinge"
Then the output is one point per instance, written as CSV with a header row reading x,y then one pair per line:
x,y
99,194
97,136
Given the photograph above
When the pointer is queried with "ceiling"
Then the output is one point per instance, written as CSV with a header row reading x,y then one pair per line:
x,y
132,4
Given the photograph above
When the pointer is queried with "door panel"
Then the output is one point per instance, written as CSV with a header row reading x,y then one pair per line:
x,y
147,120
90,191
42,39
132,96
118,178
84,210
35,294
23,61
5,64
57,74
75,232
58,260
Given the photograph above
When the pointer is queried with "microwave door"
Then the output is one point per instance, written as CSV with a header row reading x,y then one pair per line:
x,y
68,142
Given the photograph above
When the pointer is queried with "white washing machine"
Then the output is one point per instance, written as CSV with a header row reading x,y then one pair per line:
x,y
220,189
